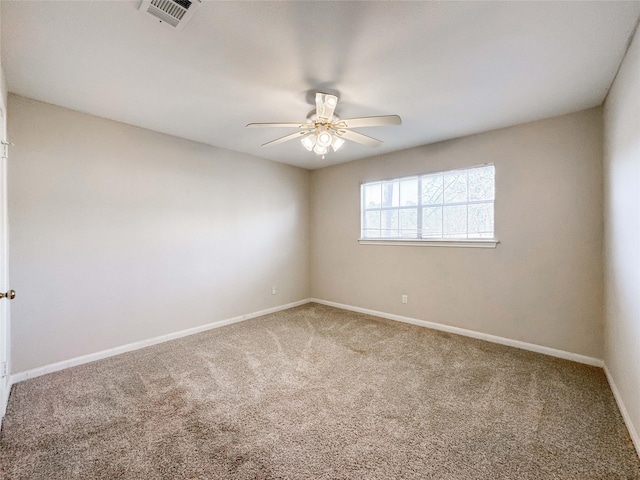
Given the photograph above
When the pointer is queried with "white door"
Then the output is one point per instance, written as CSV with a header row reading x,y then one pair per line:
x,y
4,267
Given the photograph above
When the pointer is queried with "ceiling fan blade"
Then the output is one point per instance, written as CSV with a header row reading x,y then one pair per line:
x,y
280,125
380,121
358,138
325,106
286,138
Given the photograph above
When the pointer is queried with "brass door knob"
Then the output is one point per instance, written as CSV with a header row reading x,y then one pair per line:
x,y
11,294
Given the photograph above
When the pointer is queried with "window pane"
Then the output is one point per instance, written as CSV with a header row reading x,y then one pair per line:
x,y
450,205
409,192
390,192
409,219
372,220
481,220
481,183
372,195
455,187
390,219
432,222
432,189
454,221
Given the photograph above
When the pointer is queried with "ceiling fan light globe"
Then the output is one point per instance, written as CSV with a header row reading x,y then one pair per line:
x,y
308,142
324,139
337,143
320,150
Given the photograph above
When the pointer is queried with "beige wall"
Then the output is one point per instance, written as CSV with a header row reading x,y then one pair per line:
x,y
622,233
120,234
542,284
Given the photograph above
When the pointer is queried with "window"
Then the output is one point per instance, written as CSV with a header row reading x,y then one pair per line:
x,y
452,205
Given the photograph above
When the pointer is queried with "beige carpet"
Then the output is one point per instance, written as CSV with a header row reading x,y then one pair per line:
x,y
318,393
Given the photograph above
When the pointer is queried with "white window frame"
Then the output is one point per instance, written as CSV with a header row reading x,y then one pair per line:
x,y
426,241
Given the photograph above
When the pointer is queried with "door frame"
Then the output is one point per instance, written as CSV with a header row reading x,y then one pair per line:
x,y
5,330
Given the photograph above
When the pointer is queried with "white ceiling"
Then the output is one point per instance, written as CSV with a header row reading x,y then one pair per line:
x,y
447,68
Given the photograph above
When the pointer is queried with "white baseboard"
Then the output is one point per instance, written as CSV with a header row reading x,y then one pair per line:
x,y
633,433
576,357
54,367
5,401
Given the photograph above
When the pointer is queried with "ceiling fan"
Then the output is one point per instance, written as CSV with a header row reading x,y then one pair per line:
x,y
324,129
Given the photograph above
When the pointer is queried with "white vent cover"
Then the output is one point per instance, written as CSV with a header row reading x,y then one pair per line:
x,y
174,13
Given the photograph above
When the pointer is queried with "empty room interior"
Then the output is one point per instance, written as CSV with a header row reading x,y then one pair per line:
x,y
320,240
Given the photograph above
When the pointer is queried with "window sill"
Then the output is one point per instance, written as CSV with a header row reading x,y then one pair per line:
x,y
454,242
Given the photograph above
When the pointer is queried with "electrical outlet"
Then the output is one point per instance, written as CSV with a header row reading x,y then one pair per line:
x,y
405,298
274,290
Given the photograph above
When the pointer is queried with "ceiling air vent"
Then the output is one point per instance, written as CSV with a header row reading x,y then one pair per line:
x,y
174,13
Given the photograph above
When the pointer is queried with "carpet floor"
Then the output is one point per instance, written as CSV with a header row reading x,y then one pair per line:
x,y
316,392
